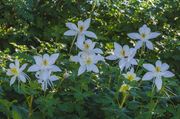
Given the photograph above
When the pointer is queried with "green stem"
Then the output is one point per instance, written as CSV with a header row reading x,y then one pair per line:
x,y
123,100
30,105
72,44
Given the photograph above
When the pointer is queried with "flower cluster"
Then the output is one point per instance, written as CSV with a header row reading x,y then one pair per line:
x,y
89,56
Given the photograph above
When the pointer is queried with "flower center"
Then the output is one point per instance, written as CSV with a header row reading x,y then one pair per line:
x,y
123,53
81,28
88,61
14,71
158,69
45,62
124,88
143,35
130,77
86,46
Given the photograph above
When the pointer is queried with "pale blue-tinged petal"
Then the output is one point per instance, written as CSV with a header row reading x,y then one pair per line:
x,y
55,68
22,78
158,63
80,38
95,69
53,58
17,63
75,58
149,67
12,80
117,46
22,67
38,59
71,26
144,29
46,57
81,70
164,67
70,33
158,83
168,74
134,35
139,44
9,73
112,57
11,65
87,23
153,35
53,78
149,45
148,76
90,34
34,68
122,64
97,50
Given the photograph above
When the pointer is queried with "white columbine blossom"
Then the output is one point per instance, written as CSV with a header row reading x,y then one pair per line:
x,y
45,78
131,76
144,36
88,47
87,62
157,72
17,72
80,31
45,62
125,56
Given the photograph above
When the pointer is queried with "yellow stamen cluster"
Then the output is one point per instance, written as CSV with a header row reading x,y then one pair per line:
x,y
123,53
88,61
86,46
130,77
124,88
81,28
45,62
14,71
158,69
143,35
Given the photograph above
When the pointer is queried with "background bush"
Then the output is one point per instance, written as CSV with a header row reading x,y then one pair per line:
x,y
30,27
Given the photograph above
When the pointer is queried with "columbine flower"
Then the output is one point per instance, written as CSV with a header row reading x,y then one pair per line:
x,y
80,31
125,54
130,75
17,72
45,62
45,78
87,62
88,47
124,88
143,36
157,72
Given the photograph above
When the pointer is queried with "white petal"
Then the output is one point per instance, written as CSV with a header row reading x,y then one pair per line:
x,y
11,65
149,45
53,78
168,74
148,76
97,50
112,57
139,44
22,78
81,70
46,57
71,26
70,33
75,58
80,39
95,69
158,83
12,80
38,59
80,23
158,63
149,67
122,64
53,58
144,29
117,46
55,68
134,35
17,63
90,34
22,67
133,62
87,23
153,35
34,68
9,72
164,67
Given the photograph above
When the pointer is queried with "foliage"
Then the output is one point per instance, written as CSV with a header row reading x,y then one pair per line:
x,y
31,27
